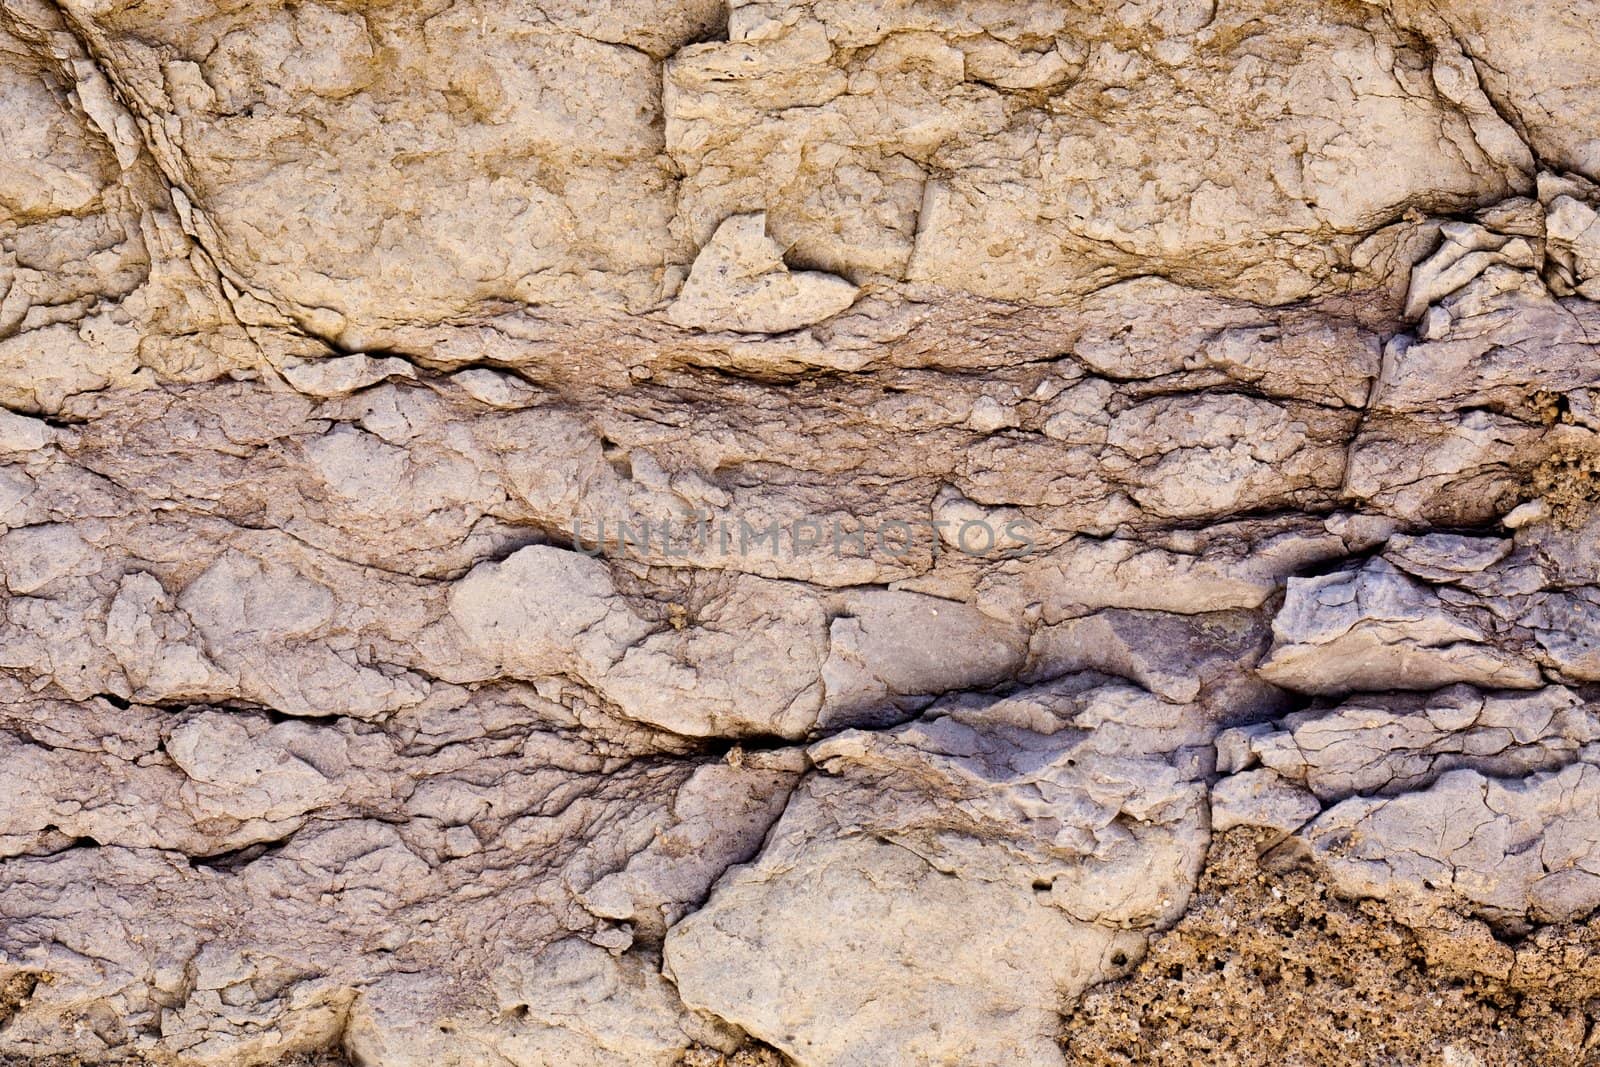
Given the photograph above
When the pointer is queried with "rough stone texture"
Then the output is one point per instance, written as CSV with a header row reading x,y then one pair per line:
x,y
1272,967
907,847
733,532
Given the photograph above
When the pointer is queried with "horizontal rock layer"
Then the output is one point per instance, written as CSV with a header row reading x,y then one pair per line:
x,y
801,531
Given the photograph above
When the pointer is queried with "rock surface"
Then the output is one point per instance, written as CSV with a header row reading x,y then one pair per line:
x,y
706,532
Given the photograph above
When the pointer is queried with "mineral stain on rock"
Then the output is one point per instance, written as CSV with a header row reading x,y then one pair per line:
x,y
1145,606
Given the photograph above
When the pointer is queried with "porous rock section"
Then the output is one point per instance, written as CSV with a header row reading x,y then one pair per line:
x,y
691,532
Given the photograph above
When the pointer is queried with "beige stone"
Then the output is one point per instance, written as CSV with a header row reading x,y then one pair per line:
x,y
691,533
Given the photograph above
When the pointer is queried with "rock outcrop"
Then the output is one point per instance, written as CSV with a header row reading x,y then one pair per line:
x,y
694,532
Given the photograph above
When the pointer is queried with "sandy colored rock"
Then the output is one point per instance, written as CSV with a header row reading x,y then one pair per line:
x,y
699,534
1324,979
972,811
739,282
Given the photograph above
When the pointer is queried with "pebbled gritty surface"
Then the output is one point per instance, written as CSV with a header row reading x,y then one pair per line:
x,y
1273,967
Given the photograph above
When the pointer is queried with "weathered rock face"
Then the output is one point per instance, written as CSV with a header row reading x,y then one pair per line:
x,y
1029,840
674,532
